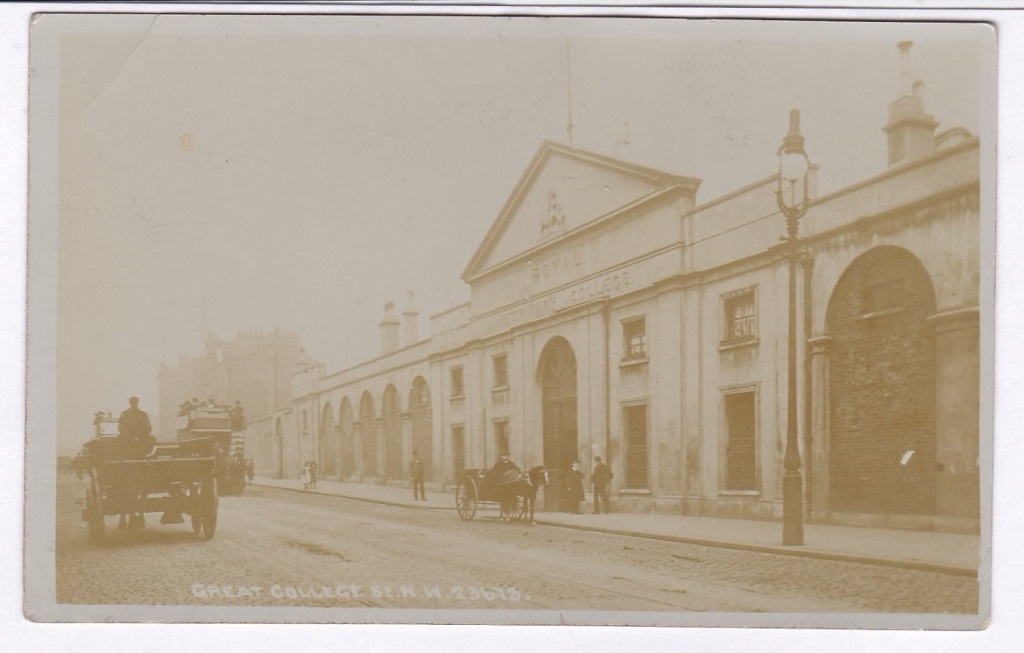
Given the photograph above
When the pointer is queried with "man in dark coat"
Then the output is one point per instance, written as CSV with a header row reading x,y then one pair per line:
x,y
500,472
600,477
417,475
574,489
134,430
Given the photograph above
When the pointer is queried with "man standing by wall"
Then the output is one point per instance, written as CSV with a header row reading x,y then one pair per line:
x,y
601,477
417,475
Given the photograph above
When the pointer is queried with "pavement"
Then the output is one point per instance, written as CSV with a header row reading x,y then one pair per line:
x,y
952,553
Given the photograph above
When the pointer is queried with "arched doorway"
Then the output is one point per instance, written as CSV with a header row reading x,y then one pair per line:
x,y
368,435
392,434
328,443
557,377
348,438
422,424
881,451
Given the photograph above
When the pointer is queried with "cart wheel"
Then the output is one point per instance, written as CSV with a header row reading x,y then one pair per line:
x,y
197,523
517,509
208,501
466,498
94,508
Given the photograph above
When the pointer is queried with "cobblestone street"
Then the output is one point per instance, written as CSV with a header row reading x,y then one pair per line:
x,y
284,548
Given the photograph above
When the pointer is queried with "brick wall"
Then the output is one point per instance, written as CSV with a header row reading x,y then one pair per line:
x,y
882,387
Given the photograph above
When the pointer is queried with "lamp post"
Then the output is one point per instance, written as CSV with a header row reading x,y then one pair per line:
x,y
792,197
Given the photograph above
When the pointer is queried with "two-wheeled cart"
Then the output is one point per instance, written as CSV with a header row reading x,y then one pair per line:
x,y
478,488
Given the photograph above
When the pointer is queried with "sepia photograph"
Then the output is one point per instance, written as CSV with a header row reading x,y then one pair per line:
x,y
414,319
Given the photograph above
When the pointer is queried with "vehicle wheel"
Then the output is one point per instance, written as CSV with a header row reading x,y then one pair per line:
x,y
517,509
208,501
466,499
94,509
197,523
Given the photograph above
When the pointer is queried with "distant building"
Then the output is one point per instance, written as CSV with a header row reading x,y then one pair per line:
x,y
633,323
252,367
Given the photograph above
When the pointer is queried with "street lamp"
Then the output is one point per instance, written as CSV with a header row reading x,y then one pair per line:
x,y
792,196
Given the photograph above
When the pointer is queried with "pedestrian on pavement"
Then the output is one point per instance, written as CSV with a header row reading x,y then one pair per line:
x,y
574,489
312,473
601,477
306,480
249,470
416,475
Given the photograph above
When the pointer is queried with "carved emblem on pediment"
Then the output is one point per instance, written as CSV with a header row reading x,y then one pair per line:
x,y
553,220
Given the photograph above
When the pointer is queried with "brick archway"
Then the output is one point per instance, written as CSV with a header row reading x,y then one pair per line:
x,y
881,390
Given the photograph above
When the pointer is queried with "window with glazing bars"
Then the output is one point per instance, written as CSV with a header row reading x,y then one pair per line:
x,y
739,315
634,336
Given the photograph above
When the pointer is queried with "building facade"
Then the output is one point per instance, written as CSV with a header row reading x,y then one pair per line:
x,y
252,367
612,315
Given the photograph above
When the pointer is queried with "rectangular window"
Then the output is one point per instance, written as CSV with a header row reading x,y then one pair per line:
x,y
457,389
501,371
636,446
740,452
501,435
458,451
305,422
739,315
634,338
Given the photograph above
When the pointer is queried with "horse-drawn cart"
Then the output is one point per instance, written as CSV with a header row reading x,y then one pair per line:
x,y
176,478
479,488
514,493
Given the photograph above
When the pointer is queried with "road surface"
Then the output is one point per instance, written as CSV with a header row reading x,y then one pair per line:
x,y
282,548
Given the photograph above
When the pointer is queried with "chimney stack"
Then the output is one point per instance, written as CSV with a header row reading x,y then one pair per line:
x,y
911,131
410,316
389,330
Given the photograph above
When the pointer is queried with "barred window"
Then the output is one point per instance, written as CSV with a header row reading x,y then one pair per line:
x,y
634,336
501,435
458,450
739,315
740,450
636,446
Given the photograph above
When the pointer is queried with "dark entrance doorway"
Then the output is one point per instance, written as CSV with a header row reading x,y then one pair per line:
x,y
561,442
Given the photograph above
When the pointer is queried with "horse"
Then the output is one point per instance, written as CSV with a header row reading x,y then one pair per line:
x,y
522,485
538,476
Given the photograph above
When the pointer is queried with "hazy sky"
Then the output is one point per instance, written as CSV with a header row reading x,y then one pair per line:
x,y
227,174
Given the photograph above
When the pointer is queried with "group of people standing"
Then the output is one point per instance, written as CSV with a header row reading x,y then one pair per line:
x,y
600,478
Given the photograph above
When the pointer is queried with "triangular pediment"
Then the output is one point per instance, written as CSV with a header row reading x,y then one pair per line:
x,y
563,190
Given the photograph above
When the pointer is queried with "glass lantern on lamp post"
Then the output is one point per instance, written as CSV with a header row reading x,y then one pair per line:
x,y
792,196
